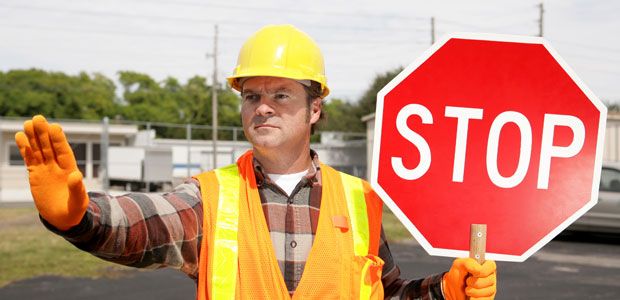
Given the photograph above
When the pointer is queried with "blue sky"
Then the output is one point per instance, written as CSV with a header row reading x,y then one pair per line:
x,y
359,38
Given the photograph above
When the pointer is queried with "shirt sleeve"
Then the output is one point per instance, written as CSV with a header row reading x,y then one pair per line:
x,y
143,230
428,288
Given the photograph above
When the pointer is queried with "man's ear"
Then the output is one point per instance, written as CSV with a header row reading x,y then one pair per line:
x,y
315,110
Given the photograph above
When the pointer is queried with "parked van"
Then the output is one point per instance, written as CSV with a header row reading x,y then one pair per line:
x,y
605,215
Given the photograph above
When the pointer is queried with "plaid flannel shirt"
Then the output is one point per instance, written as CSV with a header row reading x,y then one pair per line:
x,y
149,230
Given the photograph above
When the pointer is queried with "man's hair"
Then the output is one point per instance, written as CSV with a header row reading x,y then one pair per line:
x,y
313,92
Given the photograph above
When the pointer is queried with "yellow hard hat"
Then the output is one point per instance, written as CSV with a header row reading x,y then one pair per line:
x,y
280,51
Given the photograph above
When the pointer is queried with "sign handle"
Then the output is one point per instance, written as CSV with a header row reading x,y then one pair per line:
x,y
477,242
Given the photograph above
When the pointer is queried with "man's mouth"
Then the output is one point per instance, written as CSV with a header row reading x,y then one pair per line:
x,y
264,126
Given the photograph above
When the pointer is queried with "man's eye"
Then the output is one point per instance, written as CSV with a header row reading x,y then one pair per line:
x,y
281,96
251,97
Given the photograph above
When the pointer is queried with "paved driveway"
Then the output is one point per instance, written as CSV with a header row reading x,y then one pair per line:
x,y
567,268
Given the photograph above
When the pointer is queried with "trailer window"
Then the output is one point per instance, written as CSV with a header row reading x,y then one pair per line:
x,y
79,150
96,159
15,159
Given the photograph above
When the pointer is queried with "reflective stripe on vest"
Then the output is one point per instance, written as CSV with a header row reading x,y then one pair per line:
x,y
226,251
356,203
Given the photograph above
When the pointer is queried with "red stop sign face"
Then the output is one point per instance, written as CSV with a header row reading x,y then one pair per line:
x,y
492,130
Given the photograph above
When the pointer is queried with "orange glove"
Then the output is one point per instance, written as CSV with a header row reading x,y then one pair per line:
x,y
55,181
468,278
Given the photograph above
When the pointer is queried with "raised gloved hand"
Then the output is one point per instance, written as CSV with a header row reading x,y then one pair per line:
x,y
468,278
55,181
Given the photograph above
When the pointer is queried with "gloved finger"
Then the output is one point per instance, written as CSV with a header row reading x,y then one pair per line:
x,y
481,282
460,269
483,298
41,129
32,140
24,148
471,266
64,154
483,292
77,192
488,268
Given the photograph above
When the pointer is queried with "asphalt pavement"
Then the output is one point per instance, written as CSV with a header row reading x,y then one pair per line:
x,y
570,267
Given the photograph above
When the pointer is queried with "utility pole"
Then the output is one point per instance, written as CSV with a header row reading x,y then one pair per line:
x,y
214,100
432,30
540,19
104,144
188,138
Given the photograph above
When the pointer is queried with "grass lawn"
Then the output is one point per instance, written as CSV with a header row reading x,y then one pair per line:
x,y
395,231
27,250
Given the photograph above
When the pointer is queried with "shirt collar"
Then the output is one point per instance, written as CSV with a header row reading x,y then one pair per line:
x,y
312,175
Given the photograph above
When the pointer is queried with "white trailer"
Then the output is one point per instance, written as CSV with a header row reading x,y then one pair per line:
x,y
138,168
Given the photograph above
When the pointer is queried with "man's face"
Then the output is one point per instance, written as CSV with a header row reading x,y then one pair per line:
x,y
275,113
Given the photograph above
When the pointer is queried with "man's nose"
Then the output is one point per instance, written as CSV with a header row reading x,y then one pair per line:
x,y
264,107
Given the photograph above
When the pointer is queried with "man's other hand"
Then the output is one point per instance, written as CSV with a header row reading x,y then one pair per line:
x,y
468,278
55,181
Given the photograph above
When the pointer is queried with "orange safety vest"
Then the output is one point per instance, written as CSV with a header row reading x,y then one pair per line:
x,y
237,260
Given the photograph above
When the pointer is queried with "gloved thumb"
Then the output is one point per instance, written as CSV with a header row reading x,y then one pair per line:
x,y
76,186
78,199
454,280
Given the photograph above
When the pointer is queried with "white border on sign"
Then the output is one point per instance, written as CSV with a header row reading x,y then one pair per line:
x,y
499,38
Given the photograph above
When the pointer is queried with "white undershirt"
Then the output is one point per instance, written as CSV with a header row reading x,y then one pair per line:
x,y
287,182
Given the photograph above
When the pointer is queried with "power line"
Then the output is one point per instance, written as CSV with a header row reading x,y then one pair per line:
x,y
486,27
457,23
339,65
110,32
513,25
179,58
601,48
594,58
588,67
188,36
369,41
492,12
292,11
185,59
180,19
521,14
117,15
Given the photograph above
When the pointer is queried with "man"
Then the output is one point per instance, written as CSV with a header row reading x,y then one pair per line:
x,y
276,224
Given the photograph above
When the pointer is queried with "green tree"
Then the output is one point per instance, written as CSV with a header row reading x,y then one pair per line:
x,y
345,116
196,105
55,94
340,116
148,101
172,102
368,102
97,96
23,93
612,106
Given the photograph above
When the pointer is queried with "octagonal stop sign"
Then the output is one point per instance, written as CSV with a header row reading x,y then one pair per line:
x,y
487,129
